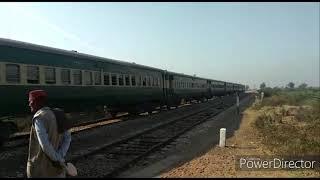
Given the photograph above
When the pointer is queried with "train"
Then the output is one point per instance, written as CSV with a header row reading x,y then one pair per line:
x,y
77,81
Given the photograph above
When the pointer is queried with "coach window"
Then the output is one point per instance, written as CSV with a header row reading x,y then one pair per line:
x,y
133,80
77,77
106,79
155,81
97,78
65,76
127,79
139,81
144,82
88,77
114,79
150,81
120,80
50,75
33,74
12,73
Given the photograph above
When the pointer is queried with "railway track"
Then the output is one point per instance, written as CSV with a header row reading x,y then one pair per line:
x,y
94,140
111,159
22,139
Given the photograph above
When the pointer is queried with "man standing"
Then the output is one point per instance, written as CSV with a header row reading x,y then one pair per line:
x,y
47,148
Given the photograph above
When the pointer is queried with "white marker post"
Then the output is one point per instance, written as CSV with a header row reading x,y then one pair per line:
x,y
222,142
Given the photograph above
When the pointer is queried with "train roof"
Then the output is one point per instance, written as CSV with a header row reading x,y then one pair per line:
x,y
36,47
197,77
186,75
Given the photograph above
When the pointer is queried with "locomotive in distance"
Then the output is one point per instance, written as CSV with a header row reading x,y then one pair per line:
x,y
76,81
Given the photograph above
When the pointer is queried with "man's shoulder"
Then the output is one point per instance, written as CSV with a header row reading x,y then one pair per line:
x,y
45,111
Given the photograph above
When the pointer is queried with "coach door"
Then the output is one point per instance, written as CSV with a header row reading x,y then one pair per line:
x,y
171,84
168,86
210,89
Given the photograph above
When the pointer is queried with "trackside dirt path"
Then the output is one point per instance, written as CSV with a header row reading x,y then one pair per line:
x,y
220,162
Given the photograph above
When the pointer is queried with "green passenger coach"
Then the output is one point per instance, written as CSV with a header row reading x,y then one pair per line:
x,y
73,80
76,81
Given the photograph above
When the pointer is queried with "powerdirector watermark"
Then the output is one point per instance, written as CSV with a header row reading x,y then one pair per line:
x,y
274,163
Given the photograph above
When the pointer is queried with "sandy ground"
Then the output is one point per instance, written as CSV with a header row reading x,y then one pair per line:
x,y
220,162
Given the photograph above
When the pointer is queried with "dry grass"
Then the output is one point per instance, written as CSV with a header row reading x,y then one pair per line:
x,y
290,129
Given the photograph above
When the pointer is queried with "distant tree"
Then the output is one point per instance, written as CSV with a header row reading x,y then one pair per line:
x,y
302,86
247,87
276,88
290,85
263,85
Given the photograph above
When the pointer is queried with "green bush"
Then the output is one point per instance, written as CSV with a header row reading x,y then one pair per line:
x,y
297,97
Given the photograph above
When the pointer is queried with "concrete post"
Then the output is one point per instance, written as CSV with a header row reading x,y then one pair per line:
x,y
262,94
222,142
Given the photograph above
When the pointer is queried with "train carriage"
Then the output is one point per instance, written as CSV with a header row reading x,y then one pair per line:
x,y
73,79
218,88
185,87
77,81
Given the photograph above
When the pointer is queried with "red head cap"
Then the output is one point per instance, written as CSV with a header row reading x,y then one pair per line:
x,y
37,93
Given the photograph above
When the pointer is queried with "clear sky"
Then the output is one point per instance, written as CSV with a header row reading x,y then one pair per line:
x,y
246,43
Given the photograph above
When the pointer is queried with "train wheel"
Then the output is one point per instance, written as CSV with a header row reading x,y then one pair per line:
x,y
134,112
113,114
149,110
6,129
